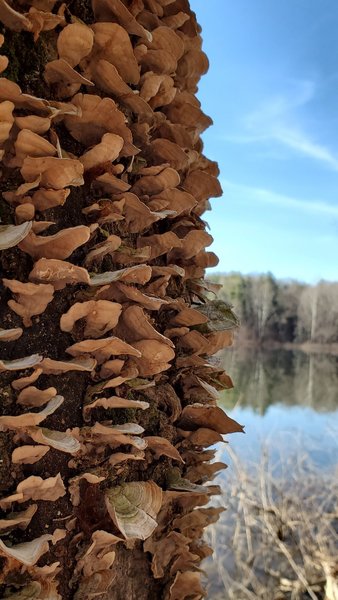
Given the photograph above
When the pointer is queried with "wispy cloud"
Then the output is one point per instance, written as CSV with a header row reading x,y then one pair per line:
x,y
278,120
266,196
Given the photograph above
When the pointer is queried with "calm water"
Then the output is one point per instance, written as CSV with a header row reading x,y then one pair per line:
x,y
287,401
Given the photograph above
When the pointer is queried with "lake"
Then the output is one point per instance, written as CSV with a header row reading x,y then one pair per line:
x,y
288,403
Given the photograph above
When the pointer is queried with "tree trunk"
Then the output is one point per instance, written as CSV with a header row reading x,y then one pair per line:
x,y
106,418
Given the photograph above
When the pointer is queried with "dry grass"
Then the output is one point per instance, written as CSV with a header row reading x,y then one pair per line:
x,y
278,539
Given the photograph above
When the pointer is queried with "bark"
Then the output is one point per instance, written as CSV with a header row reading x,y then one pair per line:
x,y
174,336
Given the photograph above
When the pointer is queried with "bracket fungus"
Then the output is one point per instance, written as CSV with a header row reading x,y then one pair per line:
x,y
100,142
133,507
30,299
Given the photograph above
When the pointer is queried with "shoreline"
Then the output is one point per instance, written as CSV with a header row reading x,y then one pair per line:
x,y
306,347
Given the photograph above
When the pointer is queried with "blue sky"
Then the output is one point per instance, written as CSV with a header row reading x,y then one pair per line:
x,y
272,92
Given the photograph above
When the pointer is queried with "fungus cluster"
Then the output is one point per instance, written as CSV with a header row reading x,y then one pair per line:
x,y
108,405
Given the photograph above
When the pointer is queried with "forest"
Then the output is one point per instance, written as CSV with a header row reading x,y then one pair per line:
x,y
283,311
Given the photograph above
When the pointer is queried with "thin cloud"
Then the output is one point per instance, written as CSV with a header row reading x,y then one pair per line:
x,y
276,121
282,201
298,141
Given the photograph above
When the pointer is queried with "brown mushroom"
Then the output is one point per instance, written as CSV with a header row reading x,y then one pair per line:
x,y
56,173
177,200
156,89
202,186
28,455
112,43
162,447
106,151
187,584
18,519
155,184
13,19
6,120
22,382
155,357
53,367
160,243
12,92
212,417
30,144
102,349
112,402
75,42
138,274
135,326
43,199
30,419
58,273
24,212
32,396
30,299
100,315
33,123
97,117
59,246
108,10
10,335
102,249
27,553
69,81
36,488
165,151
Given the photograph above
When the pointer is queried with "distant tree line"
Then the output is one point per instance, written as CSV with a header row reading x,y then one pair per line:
x,y
274,310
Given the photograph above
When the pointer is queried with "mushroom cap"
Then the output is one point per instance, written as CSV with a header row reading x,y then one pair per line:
x,y
58,272
162,447
24,212
32,396
100,315
19,364
36,488
102,349
97,117
30,298
28,455
106,151
115,10
30,419
43,199
56,173
197,415
54,367
33,123
6,119
113,402
10,335
75,42
31,144
133,507
155,357
112,43
12,235
60,245
60,440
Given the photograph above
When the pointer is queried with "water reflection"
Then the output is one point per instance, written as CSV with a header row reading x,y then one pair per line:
x,y
283,469
290,378
287,400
